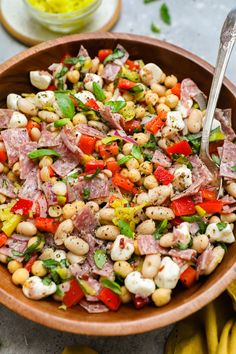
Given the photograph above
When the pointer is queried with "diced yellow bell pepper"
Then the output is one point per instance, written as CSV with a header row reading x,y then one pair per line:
x,y
10,224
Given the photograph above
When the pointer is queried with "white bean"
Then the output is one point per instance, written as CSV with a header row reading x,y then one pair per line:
x,y
74,259
159,194
231,217
48,117
93,206
26,228
151,265
160,213
35,134
76,245
218,255
142,198
12,100
200,243
231,189
27,107
167,240
18,120
107,214
194,121
63,230
147,227
107,232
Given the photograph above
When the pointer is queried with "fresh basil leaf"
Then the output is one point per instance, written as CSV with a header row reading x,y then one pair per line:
x,y
182,246
62,73
125,229
116,106
100,258
165,15
86,194
124,160
216,159
117,54
155,28
192,218
61,122
60,85
33,247
151,144
65,104
202,226
46,281
98,92
75,60
137,88
43,152
55,276
161,227
233,168
136,152
50,263
112,285
148,1
91,176
221,225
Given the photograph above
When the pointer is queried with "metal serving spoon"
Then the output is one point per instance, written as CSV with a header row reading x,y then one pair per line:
x,y
227,40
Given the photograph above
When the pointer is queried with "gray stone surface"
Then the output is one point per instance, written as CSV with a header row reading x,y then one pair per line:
x,y
195,26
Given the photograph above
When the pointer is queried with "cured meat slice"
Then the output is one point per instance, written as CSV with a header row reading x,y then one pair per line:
x,y
67,162
106,271
83,52
79,270
122,61
85,129
204,260
97,188
40,205
69,138
5,116
146,244
85,221
113,119
30,189
186,255
110,71
161,159
225,118
188,90
96,307
228,160
50,196
26,164
14,139
47,138
6,187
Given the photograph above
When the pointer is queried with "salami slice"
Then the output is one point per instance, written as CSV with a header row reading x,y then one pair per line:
x,y
121,61
146,244
96,307
110,71
228,160
47,138
30,189
97,188
67,162
188,90
40,206
186,255
50,196
26,164
204,260
79,270
113,119
69,138
85,129
84,220
83,52
6,187
5,116
14,139
106,271
225,118
161,159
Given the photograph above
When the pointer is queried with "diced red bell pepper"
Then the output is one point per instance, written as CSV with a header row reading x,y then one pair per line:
x,y
87,144
110,299
163,176
3,239
106,151
51,88
103,53
47,224
189,277
92,166
113,167
123,182
176,89
132,126
3,156
132,65
74,294
126,84
211,206
208,195
183,206
28,265
182,147
91,103
22,207
156,123
140,302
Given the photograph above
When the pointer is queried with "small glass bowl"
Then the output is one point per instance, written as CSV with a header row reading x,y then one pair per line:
x,y
63,22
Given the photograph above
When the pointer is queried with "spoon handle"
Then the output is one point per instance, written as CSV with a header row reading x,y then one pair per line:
x,y
227,40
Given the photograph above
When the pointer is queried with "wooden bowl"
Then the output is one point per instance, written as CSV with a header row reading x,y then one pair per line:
x,y
14,77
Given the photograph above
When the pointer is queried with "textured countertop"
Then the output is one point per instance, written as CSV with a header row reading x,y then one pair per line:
x,y
196,27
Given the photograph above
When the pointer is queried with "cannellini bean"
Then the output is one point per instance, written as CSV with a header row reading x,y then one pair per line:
x,y
74,258
225,235
47,253
27,107
159,194
54,211
122,248
194,121
159,213
107,232
161,297
63,230
35,289
200,243
122,268
217,256
26,228
167,240
40,79
12,100
151,265
12,266
150,74
48,117
231,217
38,269
90,79
137,285
94,207
79,118
59,188
18,120
231,189
35,134
147,227
107,214
168,274
125,295
44,98
142,198
214,219
20,276
76,245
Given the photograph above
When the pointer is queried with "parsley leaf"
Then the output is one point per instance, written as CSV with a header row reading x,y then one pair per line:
x,y
117,54
86,194
91,176
62,73
136,152
160,229
75,60
165,15
155,28
221,225
233,168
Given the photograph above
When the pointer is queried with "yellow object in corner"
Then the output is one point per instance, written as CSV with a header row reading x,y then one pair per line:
x,y
79,350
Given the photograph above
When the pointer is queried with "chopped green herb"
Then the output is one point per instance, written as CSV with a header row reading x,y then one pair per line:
x,y
221,225
202,226
137,88
33,247
65,104
100,258
155,28
61,85
181,159
125,229
161,227
112,285
124,160
233,168
136,152
151,144
46,281
148,1
98,92
182,246
17,254
62,73
88,177
117,54
192,218
75,60
50,263
43,152
216,159
195,142
116,106
86,194
165,15
61,122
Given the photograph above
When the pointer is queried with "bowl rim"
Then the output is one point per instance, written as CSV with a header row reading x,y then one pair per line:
x,y
129,326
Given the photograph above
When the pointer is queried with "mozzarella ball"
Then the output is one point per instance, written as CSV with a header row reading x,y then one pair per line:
x,y
168,275
137,285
